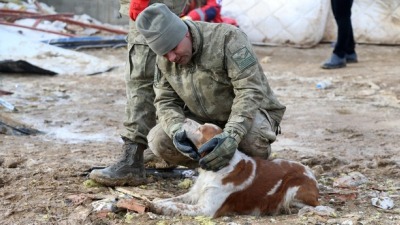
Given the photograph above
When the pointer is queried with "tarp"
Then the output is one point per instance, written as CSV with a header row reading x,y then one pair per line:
x,y
20,54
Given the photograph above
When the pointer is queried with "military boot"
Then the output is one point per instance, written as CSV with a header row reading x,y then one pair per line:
x,y
129,170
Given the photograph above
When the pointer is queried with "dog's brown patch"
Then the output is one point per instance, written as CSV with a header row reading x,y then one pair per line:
x,y
240,174
255,198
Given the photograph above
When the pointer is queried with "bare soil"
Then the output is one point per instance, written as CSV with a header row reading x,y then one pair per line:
x,y
353,126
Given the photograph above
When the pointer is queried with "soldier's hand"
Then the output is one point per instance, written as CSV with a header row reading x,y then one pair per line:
x,y
221,149
184,145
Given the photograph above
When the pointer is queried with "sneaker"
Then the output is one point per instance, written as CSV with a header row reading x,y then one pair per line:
x,y
334,62
351,58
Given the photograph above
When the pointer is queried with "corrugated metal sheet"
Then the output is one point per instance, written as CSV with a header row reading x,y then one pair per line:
x,y
105,11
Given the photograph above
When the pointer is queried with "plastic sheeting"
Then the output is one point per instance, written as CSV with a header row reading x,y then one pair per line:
x,y
20,54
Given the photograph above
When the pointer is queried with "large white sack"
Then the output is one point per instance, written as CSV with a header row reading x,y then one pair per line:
x,y
374,22
299,23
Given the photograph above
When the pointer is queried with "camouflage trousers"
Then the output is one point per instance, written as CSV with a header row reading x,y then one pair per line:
x,y
139,77
257,141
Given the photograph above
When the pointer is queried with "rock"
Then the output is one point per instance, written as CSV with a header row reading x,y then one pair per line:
x,y
383,202
353,179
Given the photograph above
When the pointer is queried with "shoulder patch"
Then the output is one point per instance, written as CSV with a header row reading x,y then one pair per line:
x,y
243,58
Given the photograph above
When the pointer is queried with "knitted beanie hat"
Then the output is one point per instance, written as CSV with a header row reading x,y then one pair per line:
x,y
162,29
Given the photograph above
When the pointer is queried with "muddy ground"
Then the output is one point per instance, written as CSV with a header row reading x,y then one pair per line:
x,y
354,126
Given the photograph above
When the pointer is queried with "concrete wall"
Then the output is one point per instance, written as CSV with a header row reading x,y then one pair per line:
x,y
105,11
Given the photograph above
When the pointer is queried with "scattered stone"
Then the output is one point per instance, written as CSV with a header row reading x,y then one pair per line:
x,y
13,162
383,202
105,204
79,215
80,198
319,210
353,179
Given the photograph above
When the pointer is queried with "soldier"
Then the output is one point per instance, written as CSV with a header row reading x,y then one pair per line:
x,y
207,72
140,111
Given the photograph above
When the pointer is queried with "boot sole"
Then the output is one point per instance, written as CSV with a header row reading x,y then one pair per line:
x,y
333,67
112,182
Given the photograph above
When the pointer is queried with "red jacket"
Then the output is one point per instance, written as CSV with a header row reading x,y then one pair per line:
x,y
204,10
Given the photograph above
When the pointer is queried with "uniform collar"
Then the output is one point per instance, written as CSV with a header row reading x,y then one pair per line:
x,y
197,38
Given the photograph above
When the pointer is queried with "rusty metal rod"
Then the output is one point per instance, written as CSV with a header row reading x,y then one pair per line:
x,y
33,28
62,18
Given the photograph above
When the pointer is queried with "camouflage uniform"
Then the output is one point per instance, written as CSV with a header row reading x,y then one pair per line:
x,y
139,73
222,84
140,111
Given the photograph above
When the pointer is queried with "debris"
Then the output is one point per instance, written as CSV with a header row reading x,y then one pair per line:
x,y
8,105
204,220
2,92
319,210
46,59
91,183
104,204
131,193
131,204
79,215
53,23
14,162
185,184
78,199
383,202
266,60
353,179
88,42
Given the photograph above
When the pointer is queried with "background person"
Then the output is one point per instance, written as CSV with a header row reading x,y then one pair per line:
x,y
344,51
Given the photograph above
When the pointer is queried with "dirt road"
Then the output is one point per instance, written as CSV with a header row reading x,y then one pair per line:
x,y
353,126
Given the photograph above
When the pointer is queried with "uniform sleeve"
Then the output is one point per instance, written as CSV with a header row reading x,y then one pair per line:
x,y
246,76
168,104
207,12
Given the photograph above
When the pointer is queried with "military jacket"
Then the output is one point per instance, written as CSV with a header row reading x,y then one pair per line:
x,y
223,83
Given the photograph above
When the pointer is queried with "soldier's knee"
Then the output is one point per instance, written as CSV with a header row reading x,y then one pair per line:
x,y
256,147
156,139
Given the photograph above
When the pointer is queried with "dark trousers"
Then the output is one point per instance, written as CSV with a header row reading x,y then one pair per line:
x,y
345,43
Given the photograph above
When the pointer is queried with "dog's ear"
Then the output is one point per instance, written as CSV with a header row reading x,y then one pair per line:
x,y
209,131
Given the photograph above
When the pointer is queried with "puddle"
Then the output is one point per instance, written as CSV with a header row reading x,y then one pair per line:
x,y
69,136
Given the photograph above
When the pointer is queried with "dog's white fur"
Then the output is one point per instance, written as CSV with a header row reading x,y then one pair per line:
x,y
209,193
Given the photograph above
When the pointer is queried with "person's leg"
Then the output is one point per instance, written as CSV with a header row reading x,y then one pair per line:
x,y
342,18
140,115
258,140
351,55
345,40
161,145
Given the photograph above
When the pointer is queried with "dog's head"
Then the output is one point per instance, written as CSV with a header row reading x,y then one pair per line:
x,y
199,134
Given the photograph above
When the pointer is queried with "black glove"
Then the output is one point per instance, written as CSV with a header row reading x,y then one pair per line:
x,y
221,149
184,145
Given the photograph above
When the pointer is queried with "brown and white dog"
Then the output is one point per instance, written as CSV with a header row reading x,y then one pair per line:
x,y
248,185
